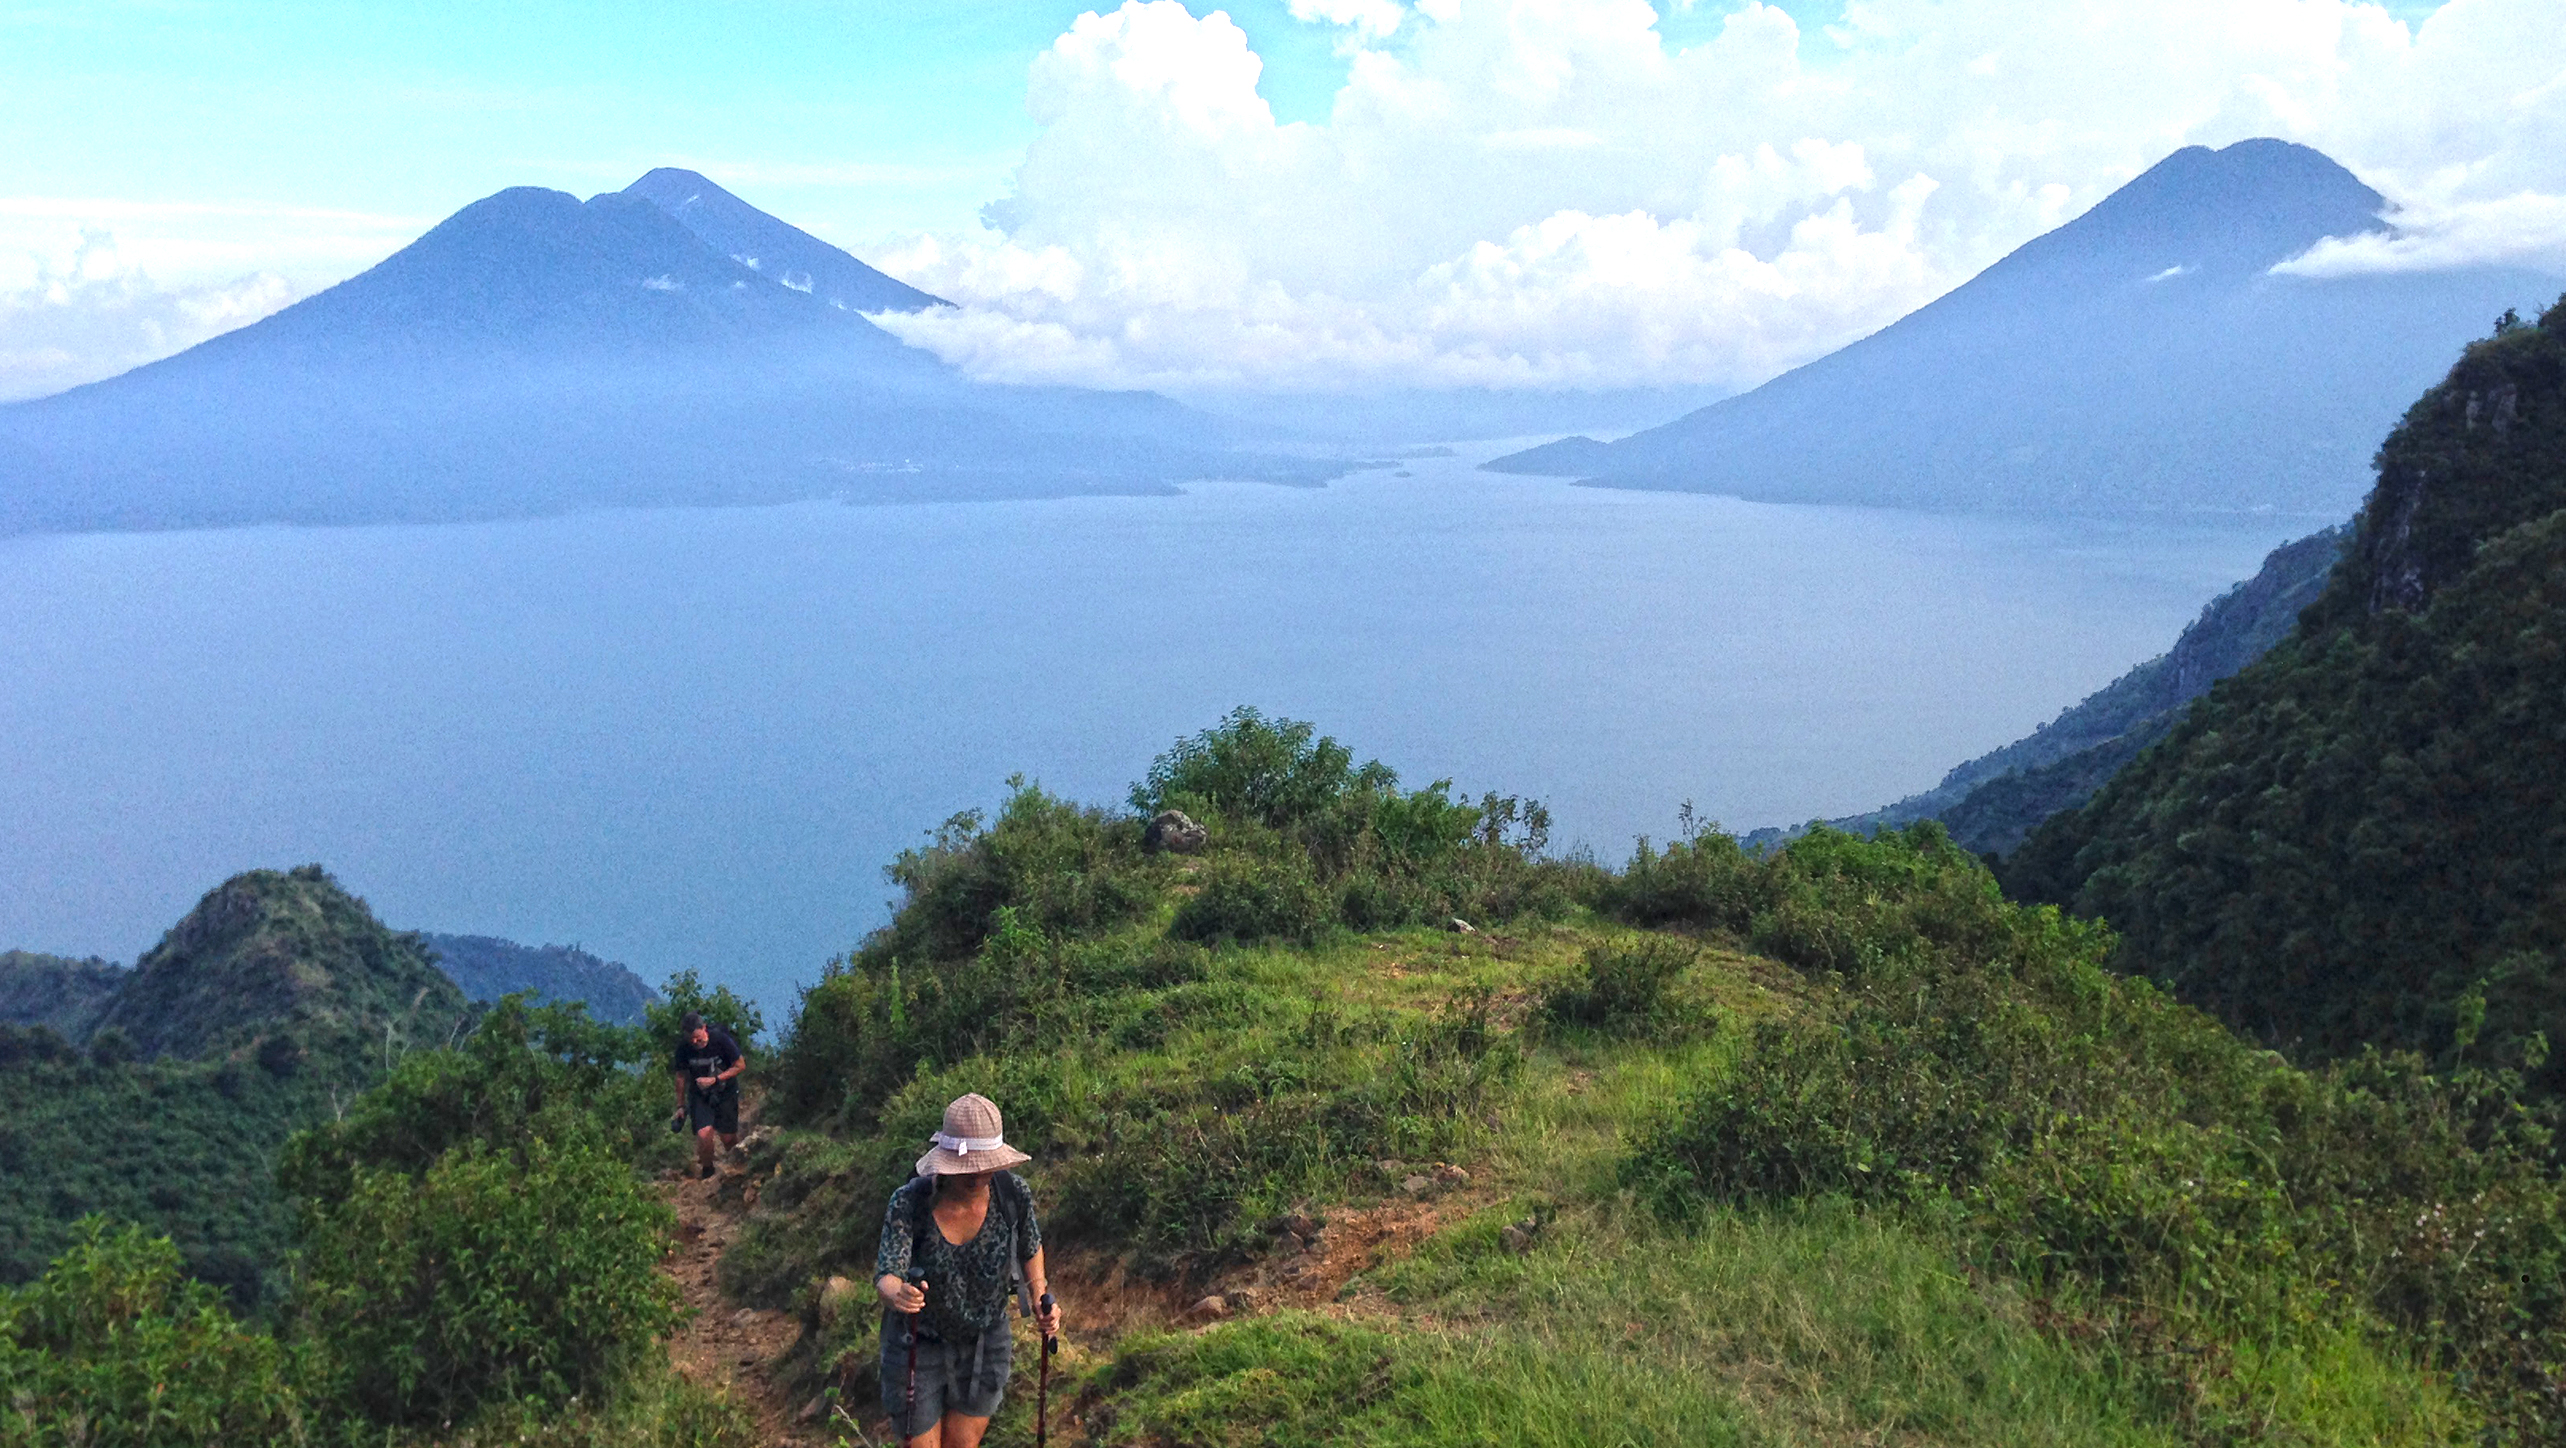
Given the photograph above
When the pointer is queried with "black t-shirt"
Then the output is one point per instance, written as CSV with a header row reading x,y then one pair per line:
x,y
718,1054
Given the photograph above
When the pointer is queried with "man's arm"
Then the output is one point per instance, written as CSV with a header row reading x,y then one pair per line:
x,y
680,1078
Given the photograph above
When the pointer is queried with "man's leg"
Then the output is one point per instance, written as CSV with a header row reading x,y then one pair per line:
x,y
961,1431
704,1138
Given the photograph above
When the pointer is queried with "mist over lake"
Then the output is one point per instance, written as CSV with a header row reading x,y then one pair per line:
x,y
694,737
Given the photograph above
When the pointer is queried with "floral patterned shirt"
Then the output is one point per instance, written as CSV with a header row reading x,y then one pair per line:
x,y
968,1283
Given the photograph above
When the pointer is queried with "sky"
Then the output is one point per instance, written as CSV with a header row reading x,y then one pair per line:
x,y
1272,195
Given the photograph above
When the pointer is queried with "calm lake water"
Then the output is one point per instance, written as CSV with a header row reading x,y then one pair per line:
x,y
692,738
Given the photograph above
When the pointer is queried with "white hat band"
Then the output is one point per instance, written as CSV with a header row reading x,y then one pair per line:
x,y
966,1145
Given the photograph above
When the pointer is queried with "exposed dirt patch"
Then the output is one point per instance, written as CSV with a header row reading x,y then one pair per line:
x,y
726,1345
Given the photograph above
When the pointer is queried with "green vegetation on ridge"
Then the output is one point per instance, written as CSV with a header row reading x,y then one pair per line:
x,y
2357,840
1965,1182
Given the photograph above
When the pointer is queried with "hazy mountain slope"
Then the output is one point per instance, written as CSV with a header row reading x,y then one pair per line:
x,y
259,1013
2358,838
1992,801
269,950
2140,358
773,248
56,992
535,354
486,968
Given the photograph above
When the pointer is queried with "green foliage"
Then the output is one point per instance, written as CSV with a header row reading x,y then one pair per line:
x,y
183,1147
2111,1146
1251,897
2344,842
684,994
526,1071
527,1276
1279,773
269,949
1623,987
113,1347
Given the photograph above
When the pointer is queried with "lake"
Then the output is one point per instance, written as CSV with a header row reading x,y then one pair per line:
x,y
693,738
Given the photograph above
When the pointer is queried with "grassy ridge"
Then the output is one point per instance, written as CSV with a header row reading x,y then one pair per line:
x,y
1829,1145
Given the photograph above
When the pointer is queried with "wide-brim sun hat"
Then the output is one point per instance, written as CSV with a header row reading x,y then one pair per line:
x,y
974,1140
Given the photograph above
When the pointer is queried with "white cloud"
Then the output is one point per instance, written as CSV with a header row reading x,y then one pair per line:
x,y
1543,193
93,314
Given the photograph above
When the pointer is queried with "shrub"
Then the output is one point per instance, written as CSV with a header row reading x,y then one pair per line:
x,y
495,1278
113,1345
527,1071
1279,773
685,993
2107,1144
1249,897
1623,987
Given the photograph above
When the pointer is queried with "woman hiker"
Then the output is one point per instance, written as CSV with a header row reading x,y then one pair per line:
x,y
954,1242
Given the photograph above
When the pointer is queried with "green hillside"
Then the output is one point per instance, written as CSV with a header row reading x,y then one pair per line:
x,y
277,1000
1830,1145
2361,839
270,948
63,995
1473,1145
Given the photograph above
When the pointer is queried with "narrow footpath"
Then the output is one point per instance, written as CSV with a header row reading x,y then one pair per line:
x,y
723,1346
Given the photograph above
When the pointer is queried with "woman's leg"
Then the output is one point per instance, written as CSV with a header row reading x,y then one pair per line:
x,y
960,1431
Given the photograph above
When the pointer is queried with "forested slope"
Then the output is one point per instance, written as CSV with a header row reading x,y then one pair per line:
x,y
2362,838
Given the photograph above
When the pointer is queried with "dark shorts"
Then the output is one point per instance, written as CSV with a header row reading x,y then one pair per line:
x,y
969,1380
722,1112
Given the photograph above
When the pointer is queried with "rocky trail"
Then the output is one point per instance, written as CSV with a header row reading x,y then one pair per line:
x,y
724,1346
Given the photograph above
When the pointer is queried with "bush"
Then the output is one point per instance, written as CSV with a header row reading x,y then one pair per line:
x,y
1624,987
496,1278
685,993
527,1071
2111,1146
1279,773
114,1346
1249,897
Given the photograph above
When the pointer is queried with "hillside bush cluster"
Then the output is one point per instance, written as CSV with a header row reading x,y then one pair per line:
x,y
2112,1147
479,1256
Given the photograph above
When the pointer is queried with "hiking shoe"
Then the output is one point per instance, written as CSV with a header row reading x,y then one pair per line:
x,y
704,1174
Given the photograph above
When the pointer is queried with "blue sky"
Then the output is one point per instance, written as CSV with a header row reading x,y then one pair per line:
x,y
864,117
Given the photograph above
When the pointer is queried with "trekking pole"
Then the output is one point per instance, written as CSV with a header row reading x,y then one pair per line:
x,y
909,1408
1042,1388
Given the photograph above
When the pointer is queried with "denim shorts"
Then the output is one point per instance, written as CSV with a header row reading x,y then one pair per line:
x,y
969,1379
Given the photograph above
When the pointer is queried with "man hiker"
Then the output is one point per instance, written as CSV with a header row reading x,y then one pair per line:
x,y
707,1070
956,1242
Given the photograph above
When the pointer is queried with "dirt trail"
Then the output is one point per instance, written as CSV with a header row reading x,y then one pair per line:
x,y
725,1345
736,1348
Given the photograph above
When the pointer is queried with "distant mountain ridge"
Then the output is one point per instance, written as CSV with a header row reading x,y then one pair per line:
x,y
2140,358
56,992
534,353
487,967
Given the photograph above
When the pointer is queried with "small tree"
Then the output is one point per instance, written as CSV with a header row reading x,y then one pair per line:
x,y
500,1276
116,1345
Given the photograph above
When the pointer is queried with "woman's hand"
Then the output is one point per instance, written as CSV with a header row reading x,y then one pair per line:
x,y
900,1296
1047,1317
